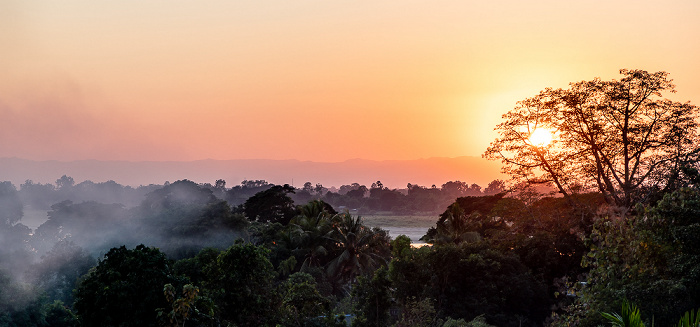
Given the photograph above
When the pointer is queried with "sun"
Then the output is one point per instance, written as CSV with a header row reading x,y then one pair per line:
x,y
540,137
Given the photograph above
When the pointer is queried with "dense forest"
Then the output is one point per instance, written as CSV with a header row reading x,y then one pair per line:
x,y
184,254
291,230
616,241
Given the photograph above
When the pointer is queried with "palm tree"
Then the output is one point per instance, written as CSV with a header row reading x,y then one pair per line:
x,y
312,225
313,243
630,316
690,319
356,248
456,226
316,208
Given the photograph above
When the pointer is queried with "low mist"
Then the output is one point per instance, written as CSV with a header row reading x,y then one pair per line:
x,y
52,234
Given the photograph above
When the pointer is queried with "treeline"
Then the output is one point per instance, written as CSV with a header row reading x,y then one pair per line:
x,y
413,200
185,256
360,199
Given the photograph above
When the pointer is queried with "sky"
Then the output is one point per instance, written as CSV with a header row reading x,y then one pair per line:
x,y
309,80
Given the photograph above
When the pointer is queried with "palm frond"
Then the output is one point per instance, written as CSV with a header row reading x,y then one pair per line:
x,y
629,316
690,319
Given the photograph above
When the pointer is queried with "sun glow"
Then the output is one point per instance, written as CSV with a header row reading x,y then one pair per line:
x,y
540,137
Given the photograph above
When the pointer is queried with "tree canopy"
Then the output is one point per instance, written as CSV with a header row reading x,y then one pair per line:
x,y
618,137
271,205
125,288
11,210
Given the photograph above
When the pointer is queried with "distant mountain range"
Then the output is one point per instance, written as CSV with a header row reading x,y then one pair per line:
x,y
392,173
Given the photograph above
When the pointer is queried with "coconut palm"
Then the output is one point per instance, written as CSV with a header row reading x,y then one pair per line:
x,y
356,249
316,208
312,225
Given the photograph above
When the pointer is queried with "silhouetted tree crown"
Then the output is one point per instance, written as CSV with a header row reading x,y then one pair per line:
x,y
619,137
271,205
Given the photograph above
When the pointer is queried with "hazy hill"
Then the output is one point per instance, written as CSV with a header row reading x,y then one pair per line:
x,y
392,173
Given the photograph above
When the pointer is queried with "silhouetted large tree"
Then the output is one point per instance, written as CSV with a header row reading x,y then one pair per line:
x,y
617,137
271,205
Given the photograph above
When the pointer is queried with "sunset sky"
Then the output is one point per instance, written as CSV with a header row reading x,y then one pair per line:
x,y
309,80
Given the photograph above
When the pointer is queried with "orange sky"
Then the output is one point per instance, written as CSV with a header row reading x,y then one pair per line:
x,y
309,80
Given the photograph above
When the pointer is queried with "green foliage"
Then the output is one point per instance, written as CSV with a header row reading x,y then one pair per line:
x,y
355,248
38,313
265,234
418,314
650,259
195,268
474,279
311,227
286,267
339,244
245,285
283,242
631,317
316,208
305,236
457,323
468,219
628,317
20,305
185,308
124,289
548,233
323,283
471,279
690,319
401,246
372,298
59,270
479,321
301,301
59,315
241,284
410,274
544,232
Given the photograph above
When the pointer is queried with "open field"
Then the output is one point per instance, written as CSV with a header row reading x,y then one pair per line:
x,y
412,226
399,221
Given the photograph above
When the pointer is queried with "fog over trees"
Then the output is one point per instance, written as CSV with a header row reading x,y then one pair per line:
x,y
612,238
43,268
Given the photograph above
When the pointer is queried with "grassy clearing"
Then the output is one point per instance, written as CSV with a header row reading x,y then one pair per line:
x,y
412,226
400,221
